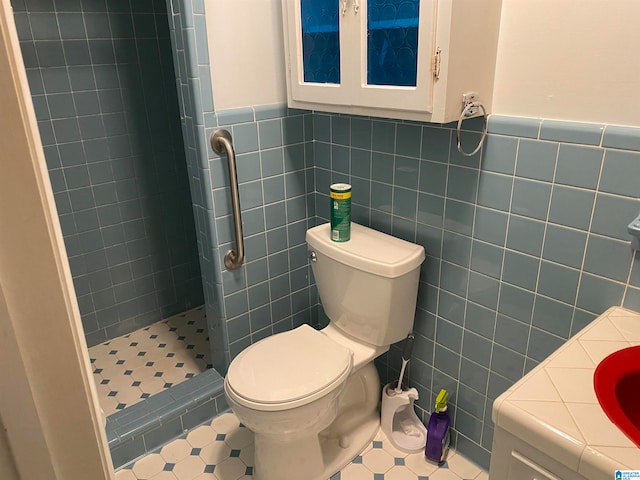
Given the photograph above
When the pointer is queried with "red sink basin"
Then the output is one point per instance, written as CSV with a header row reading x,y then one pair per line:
x,y
617,385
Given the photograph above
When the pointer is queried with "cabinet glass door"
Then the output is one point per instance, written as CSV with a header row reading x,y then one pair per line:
x,y
396,47
316,39
320,41
392,42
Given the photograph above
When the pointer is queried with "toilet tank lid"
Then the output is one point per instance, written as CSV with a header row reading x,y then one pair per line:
x,y
368,250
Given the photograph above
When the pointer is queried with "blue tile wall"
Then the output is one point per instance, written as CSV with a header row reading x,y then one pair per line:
x,y
272,291
101,79
525,245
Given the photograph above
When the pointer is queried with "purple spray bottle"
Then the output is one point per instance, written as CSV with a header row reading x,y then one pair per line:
x,y
438,436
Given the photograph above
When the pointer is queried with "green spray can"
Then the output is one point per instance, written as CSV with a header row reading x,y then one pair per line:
x,y
340,212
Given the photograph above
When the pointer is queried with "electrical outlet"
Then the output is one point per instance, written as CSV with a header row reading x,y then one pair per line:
x,y
467,99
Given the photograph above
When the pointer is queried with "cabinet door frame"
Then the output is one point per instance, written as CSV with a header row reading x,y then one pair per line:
x,y
301,91
418,98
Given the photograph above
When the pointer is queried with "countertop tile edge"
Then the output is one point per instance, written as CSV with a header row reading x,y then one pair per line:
x,y
538,433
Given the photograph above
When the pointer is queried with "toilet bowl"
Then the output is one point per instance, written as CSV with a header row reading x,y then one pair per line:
x,y
311,396
310,409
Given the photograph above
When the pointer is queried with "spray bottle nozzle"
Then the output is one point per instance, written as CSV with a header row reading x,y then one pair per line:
x,y
441,401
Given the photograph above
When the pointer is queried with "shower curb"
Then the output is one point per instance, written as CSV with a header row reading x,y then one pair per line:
x,y
151,423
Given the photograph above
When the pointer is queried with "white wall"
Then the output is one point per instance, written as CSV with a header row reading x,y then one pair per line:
x,y
569,59
246,50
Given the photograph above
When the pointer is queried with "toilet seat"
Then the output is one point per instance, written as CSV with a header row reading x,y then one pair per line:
x,y
288,370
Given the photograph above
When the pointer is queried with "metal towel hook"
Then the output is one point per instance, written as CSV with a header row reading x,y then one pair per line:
x,y
221,141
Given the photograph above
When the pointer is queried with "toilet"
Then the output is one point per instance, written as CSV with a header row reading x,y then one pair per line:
x,y
311,396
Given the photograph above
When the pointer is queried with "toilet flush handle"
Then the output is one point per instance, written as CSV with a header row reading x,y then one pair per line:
x,y
312,257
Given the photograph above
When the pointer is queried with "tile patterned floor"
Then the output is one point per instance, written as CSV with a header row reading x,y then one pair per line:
x,y
223,450
133,367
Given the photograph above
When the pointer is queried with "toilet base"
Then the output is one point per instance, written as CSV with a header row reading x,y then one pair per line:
x,y
304,458
318,456
341,457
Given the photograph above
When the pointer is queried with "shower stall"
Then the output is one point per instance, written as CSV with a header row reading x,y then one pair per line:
x,y
103,85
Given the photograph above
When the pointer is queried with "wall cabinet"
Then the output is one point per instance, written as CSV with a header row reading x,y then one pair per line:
x,y
410,59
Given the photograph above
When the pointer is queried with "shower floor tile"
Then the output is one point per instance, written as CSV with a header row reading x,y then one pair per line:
x,y
223,450
133,367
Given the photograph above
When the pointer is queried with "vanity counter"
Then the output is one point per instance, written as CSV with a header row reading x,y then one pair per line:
x,y
554,410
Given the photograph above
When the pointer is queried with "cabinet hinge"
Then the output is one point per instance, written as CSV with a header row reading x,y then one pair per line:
x,y
436,63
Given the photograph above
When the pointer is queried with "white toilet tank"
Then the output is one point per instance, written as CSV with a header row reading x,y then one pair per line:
x,y
369,285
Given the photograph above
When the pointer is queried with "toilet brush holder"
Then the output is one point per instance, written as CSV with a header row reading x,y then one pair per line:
x,y
399,421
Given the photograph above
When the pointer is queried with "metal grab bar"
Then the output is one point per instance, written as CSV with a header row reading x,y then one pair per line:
x,y
221,141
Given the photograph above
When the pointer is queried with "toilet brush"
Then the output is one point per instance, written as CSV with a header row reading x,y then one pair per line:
x,y
406,353
398,419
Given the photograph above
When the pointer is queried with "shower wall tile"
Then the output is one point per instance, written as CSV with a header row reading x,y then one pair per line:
x,y
525,244
110,127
